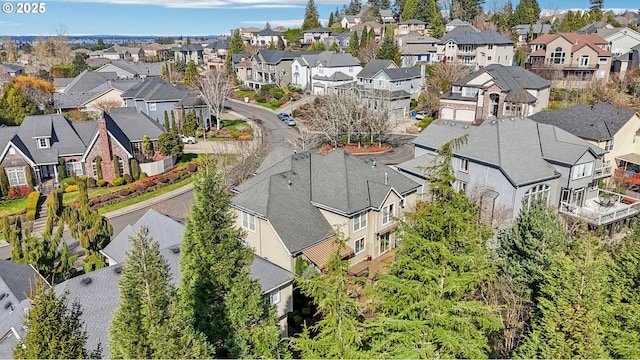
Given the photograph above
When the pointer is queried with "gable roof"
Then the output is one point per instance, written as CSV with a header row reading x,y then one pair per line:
x,y
368,25
336,76
89,80
330,59
597,122
523,29
374,66
72,99
522,149
128,125
577,41
268,32
512,79
137,68
318,29
307,182
155,89
413,22
463,35
386,13
15,283
403,73
275,56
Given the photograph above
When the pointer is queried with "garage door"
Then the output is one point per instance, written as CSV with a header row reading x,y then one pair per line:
x,y
446,114
464,115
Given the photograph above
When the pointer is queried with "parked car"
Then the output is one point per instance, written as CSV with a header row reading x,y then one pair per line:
x,y
188,139
289,121
420,115
281,116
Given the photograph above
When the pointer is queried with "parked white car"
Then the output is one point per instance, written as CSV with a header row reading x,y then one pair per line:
x,y
188,139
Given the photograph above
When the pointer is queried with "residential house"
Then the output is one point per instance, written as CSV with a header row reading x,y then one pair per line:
x,y
156,51
622,42
570,59
386,75
417,49
388,16
606,126
528,32
117,52
454,24
467,46
41,140
412,25
241,64
506,164
91,91
132,70
293,205
341,39
273,67
378,29
9,71
190,52
276,282
349,21
495,91
266,37
316,72
16,281
315,35
594,27
154,96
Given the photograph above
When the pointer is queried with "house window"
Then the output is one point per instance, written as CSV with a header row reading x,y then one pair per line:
x,y
350,69
385,242
16,176
470,92
582,170
360,221
274,297
603,60
538,192
120,165
584,60
387,214
608,146
75,167
359,245
152,106
464,165
43,143
136,147
321,69
490,47
512,109
249,222
489,58
461,186
451,45
94,168
557,57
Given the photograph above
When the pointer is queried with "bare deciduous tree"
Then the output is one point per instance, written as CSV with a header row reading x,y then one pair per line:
x,y
107,104
305,140
10,49
368,51
250,155
214,86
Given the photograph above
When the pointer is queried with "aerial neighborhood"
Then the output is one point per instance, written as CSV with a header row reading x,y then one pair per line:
x,y
401,180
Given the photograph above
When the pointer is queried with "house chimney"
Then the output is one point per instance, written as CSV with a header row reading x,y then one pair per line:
x,y
103,149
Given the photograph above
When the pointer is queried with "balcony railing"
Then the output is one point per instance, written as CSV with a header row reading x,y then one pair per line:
x,y
601,172
604,209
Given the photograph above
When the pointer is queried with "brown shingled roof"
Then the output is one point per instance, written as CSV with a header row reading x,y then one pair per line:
x,y
578,41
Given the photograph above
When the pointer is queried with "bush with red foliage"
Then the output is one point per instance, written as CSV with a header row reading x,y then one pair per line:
x,y
16,192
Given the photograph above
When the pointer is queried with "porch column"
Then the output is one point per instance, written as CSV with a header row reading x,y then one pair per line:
x,y
55,175
38,176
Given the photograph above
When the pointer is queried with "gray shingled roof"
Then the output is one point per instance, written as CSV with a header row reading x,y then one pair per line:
x,y
269,32
154,89
330,59
275,56
457,22
336,76
523,29
15,282
598,122
89,80
413,22
374,66
72,99
512,79
521,148
463,35
403,73
336,182
139,68
190,47
128,125
12,67
320,29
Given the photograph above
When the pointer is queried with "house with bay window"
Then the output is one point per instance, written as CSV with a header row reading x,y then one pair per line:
x,y
293,205
495,91
42,140
508,163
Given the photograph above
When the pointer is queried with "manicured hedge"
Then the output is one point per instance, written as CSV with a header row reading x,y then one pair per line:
x,y
32,205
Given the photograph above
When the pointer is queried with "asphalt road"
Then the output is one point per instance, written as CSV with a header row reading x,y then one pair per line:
x,y
277,131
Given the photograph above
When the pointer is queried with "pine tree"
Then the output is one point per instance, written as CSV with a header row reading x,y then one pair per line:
x,y
280,44
331,20
213,261
236,46
425,304
166,121
191,73
526,12
137,325
338,333
55,329
311,17
596,5
429,11
572,305
466,10
389,49
354,44
165,72
410,10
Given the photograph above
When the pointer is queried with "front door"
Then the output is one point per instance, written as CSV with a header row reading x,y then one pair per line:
x,y
46,171
495,100
578,197
384,243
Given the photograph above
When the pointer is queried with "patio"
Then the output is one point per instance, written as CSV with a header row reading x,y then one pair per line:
x,y
604,209
368,268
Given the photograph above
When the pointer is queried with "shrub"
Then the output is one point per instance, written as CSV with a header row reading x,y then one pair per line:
x,y
71,188
245,137
276,93
267,88
29,175
169,143
117,181
101,183
99,167
163,179
143,175
124,192
193,167
260,99
127,178
116,166
141,187
91,183
173,176
32,205
275,103
62,169
135,169
4,182
16,192
67,182
94,201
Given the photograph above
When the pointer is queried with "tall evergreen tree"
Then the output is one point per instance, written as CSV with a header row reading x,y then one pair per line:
x,y
190,73
429,11
311,16
354,44
596,5
389,49
466,10
167,127
425,303
136,326
338,333
526,12
214,260
331,20
572,305
236,46
55,328
410,10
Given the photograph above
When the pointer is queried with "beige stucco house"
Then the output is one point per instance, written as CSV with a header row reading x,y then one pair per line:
x,y
570,60
295,203
465,45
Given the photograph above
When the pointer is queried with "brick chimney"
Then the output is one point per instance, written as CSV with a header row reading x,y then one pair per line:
x,y
104,149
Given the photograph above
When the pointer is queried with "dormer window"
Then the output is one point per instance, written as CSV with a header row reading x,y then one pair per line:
x,y
43,143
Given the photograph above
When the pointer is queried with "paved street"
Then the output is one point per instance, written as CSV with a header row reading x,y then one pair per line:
x,y
277,131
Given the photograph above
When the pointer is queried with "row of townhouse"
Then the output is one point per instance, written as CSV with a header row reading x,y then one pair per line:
x,y
97,292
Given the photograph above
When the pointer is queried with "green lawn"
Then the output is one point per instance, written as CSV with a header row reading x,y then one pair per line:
x,y
146,196
244,94
10,207
69,197
233,124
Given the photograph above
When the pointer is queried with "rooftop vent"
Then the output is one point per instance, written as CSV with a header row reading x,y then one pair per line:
x,y
117,269
446,122
466,126
86,281
493,122
386,178
8,306
2,296
373,164
175,249
294,172
289,183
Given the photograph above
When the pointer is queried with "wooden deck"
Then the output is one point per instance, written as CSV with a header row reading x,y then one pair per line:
x,y
368,268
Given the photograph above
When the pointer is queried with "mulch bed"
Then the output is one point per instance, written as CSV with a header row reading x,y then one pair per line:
x,y
362,148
